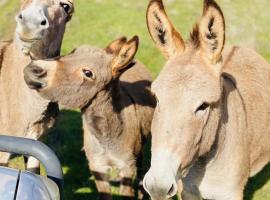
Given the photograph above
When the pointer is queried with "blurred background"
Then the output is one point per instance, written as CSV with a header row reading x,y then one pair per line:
x,y
98,22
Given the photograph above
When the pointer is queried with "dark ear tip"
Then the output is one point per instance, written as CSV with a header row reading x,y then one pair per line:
x,y
211,3
158,2
123,39
134,39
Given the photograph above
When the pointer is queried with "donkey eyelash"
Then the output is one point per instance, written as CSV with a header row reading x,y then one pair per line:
x,y
202,107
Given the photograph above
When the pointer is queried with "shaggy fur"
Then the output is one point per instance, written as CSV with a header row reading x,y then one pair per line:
x,y
117,111
211,125
23,112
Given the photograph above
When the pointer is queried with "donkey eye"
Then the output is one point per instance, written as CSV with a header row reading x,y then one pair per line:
x,y
89,74
202,107
66,7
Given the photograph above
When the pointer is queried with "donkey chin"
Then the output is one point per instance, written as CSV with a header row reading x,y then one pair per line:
x,y
29,41
26,44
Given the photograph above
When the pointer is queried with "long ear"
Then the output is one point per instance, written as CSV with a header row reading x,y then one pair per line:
x,y
115,46
212,32
167,39
127,53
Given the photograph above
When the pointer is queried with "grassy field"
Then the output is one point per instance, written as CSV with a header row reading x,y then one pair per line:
x,y
98,22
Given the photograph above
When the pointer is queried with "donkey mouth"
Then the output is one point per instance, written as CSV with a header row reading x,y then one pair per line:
x,y
27,43
29,40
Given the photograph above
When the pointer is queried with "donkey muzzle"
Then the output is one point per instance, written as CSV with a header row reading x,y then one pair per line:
x,y
160,186
31,24
33,75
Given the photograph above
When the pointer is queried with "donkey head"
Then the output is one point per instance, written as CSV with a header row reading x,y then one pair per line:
x,y
41,26
74,80
188,92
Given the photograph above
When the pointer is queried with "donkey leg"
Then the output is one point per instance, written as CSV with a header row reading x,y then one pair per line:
x,y
141,193
102,179
185,195
33,165
127,175
4,158
189,192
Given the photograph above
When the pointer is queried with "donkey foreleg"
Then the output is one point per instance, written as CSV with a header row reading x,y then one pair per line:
x,y
127,175
185,195
102,179
189,192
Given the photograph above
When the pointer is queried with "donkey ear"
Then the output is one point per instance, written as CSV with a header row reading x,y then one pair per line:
x,y
115,46
212,32
126,54
167,39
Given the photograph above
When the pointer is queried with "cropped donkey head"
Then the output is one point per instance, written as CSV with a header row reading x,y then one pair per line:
x,y
188,92
41,25
74,80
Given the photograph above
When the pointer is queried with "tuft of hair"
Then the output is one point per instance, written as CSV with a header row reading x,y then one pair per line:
x,y
195,36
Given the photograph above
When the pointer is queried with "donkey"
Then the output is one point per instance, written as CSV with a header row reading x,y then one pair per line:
x,y
39,33
113,92
211,126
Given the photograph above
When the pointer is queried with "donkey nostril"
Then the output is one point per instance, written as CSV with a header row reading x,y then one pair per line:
x,y
20,16
171,191
39,72
43,23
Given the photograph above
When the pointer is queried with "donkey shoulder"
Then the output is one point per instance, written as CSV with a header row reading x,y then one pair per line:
x,y
247,67
242,57
136,82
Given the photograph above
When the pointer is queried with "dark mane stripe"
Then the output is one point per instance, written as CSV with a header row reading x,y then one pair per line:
x,y
3,47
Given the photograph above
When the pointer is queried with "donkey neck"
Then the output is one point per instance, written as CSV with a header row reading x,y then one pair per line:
x,y
104,114
39,51
232,123
23,111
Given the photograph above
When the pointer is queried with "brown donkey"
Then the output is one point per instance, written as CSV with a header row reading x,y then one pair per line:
x,y
39,34
211,127
117,113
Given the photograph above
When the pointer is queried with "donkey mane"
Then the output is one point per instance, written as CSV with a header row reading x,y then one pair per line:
x,y
195,36
3,47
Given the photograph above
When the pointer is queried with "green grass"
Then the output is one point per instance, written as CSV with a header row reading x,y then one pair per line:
x,y
7,19
98,22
